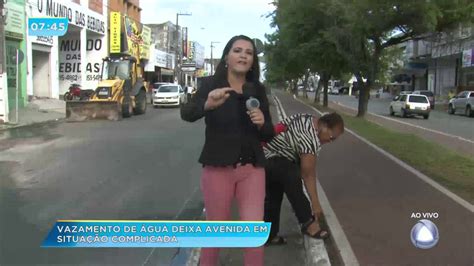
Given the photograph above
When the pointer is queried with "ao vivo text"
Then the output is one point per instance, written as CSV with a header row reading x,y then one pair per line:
x,y
425,215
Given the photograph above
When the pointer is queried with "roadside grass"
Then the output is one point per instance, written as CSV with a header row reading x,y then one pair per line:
x,y
450,169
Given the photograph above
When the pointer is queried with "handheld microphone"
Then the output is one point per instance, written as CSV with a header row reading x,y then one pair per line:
x,y
252,103
249,91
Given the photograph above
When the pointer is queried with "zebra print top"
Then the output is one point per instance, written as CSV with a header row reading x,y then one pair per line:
x,y
300,138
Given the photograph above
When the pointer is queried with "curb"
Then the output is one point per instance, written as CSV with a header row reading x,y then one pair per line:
x,y
16,126
337,234
315,249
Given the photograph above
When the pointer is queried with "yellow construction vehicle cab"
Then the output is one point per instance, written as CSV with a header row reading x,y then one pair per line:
x,y
120,93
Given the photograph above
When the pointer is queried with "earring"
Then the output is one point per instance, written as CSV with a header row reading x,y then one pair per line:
x,y
225,65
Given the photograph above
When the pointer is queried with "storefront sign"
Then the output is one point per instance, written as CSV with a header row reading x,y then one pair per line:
x,y
76,14
138,39
468,58
160,59
191,52
43,40
188,69
185,42
196,54
115,23
70,59
134,37
146,35
15,24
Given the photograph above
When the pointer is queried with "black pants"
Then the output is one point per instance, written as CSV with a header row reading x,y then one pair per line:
x,y
284,176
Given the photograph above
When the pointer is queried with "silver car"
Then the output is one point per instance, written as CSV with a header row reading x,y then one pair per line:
x,y
464,102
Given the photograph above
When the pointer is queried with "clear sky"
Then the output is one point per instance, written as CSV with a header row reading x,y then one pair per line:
x,y
212,20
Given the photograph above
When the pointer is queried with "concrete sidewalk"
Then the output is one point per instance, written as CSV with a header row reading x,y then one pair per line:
x,y
37,111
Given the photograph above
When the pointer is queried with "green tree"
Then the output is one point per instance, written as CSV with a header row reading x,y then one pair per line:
x,y
300,44
367,28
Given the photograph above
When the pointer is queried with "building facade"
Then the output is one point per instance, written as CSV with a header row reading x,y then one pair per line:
x,y
72,58
165,44
129,8
52,63
441,63
13,94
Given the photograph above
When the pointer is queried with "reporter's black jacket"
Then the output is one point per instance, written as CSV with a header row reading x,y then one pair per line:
x,y
229,130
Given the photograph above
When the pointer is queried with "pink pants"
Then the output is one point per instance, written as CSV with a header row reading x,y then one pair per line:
x,y
220,185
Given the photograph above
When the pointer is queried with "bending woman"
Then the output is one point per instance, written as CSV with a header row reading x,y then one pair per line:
x,y
292,157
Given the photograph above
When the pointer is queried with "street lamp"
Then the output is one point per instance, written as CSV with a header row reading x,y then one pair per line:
x,y
212,60
178,50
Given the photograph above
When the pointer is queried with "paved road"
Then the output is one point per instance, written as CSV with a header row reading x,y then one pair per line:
x,y
373,198
142,168
139,168
458,125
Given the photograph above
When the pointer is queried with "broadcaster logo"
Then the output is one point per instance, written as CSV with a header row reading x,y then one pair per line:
x,y
424,234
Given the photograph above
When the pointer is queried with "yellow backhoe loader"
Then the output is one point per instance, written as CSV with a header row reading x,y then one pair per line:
x,y
120,93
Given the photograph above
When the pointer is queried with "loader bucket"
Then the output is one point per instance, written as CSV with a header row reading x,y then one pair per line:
x,y
87,110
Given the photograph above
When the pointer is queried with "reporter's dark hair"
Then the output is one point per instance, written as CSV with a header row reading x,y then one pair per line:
x,y
254,73
332,121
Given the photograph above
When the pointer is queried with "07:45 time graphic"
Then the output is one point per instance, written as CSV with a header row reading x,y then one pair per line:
x,y
47,26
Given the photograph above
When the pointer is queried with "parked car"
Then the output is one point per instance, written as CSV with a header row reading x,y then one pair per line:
x,y
334,90
155,87
410,104
464,101
169,95
428,94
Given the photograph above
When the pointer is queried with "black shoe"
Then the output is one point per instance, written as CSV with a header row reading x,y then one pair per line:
x,y
276,241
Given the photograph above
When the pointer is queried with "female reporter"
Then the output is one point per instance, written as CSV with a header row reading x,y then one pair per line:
x,y
292,157
232,156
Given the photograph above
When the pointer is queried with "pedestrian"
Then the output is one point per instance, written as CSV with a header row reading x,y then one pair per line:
x,y
189,92
232,157
292,157
450,94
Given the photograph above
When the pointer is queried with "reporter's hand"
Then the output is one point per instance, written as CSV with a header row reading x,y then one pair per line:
x,y
216,98
256,116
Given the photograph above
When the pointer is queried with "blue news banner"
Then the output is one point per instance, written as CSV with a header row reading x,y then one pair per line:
x,y
166,234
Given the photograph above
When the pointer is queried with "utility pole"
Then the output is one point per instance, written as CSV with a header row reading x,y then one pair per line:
x,y
212,59
178,59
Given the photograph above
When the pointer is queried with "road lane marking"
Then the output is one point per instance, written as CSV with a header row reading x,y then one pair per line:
x,y
340,238
417,173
